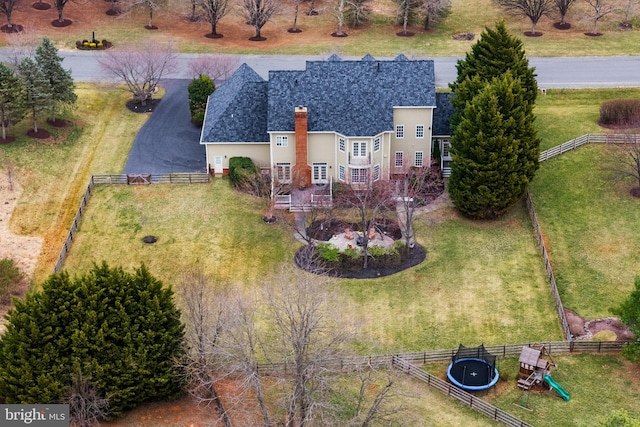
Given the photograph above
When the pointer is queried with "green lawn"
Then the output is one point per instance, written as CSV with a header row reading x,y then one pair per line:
x,y
591,226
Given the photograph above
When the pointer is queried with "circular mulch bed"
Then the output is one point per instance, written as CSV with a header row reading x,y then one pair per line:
x,y
593,34
257,39
58,123
405,34
41,134
532,34
40,5
464,36
136,107
7,140
15,28
417,254
294,30
61,24
311,13
149,239
635,192
214,36
114,12
561,26
339,35
150,27
625,26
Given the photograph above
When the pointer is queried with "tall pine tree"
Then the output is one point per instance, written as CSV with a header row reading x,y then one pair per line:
x,y
122,331
60,80
494,149
11,98
491,56
37,89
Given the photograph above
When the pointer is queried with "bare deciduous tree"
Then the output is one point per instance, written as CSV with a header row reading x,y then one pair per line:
x,y
563,7
258,13
206,318
628,11
375,396
307,333
60,4
368,201
214,11
150,5
6,7
532,9
140,67
416,185
406,10
357,12
600,9
296,9
433,11
217,67
625,165
86,406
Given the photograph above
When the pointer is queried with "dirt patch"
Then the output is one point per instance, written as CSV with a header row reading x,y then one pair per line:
x,y
585,329
22,249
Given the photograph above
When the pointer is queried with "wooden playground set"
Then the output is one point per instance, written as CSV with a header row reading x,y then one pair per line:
x,y
535,373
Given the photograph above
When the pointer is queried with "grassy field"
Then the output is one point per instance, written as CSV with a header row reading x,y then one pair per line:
x,y
591,226
377,37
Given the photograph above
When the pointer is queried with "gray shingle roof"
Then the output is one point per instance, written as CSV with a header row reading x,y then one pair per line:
x,y
237,110
354,98
442,114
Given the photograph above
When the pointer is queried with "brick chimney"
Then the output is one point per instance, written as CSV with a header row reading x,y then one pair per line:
x,y
301,170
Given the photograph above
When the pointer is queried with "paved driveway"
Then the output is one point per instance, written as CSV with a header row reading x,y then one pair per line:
x,y
168,141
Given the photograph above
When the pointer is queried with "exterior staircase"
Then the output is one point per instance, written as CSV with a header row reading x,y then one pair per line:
x,y
525,384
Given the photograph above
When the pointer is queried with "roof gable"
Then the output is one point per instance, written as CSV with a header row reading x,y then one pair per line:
x,y
237,110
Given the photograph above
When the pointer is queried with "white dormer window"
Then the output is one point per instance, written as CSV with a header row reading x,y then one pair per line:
x,y
282,141
419,131
399,131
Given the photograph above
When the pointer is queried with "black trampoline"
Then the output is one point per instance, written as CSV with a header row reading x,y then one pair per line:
x,y
473,369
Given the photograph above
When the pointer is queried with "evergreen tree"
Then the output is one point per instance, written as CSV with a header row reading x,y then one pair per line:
x,y
629,313
199,91
62,86
494,149
37,89
491,56
11,98
121,331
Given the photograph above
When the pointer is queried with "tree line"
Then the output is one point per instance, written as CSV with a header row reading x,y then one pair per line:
x,y
34,85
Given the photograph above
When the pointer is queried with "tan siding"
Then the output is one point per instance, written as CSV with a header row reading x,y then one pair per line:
x,y
409,118
284,154
259,153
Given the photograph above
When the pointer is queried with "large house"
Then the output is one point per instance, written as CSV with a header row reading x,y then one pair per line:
x,y
337,120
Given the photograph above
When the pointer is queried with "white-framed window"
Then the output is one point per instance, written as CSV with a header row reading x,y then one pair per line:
x,y
282,141
376,172
399,131
359,176
341,173
419,131
399,159
376,144
283,172
445,148
341,145
319,172
419,159
359,148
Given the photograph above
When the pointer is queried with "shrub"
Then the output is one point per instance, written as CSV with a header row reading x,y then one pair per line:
x,y
10,277
199,91
377,251
620,112
198,118
328,252
239,164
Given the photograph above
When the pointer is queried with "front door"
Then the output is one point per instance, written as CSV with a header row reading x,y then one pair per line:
x,y
217,165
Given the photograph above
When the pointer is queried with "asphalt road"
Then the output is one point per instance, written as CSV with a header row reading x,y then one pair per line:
x,y
168,142
567,72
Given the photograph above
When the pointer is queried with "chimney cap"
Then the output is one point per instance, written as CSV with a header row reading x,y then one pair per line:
x,y
301,109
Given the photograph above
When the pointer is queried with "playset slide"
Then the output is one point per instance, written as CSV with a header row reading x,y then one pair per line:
x,y
557,387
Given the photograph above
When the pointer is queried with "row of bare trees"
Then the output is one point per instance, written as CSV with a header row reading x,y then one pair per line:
x,y
534,10
290,319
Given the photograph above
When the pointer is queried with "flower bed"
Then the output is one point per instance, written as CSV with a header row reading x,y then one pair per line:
x,y
93,44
